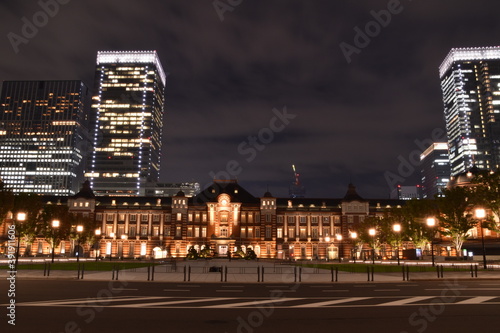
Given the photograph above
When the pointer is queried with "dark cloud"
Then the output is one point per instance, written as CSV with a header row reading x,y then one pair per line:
x,y
352,121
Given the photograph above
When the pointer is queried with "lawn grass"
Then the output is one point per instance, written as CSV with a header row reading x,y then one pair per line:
x,y
89,266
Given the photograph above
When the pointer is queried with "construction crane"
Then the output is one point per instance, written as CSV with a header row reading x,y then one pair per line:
x,y
296,189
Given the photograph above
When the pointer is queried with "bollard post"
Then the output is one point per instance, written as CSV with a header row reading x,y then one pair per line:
x,y
225,273
407,273
113,273
336,274
185,270
295,274
258,273
373,270
331,270
117,270
78,273
404,273
262,274
437,270
152,272
471,270
475,270
48,269
44,268
189,273
83,270
442,271
300,274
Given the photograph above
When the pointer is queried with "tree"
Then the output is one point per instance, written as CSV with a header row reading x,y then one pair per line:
x,y
455,215
87,236
413,217
363,232
487,194
6,202
192,253
54,235
31,205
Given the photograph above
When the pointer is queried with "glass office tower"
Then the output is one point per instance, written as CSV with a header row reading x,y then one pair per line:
x,y
44,137
127,122
435,169
470,81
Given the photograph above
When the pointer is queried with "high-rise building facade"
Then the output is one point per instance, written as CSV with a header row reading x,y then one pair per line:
x,y
470,81
435,169
44,137
128,119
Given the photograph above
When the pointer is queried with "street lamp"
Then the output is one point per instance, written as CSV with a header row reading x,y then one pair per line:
x,y
20,217
97,233
431,223
354,235
327,240
481,214
79,229
397,229
339,238
55,225
372,233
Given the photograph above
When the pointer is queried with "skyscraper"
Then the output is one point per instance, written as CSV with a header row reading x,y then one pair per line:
x,y
43,136
470,81
435,169
128,119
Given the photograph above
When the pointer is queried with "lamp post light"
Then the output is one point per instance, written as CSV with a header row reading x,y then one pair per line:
x,y
397,229
431,223
55,225
481,214
97,233
372,233
112,235
354,235
79,229
20,217
339,238
327,240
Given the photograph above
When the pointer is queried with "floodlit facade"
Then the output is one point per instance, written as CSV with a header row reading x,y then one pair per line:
x,y
470,82
128,108
44,138
435,169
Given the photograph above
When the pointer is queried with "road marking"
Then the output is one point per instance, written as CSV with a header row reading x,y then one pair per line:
x,y
141,305
83,301
120,289
365,286
252,303
229,291
336,301
387,290
464,288
406,301
282,291
188,285
408,285
183,290
335,290
232,286
476,300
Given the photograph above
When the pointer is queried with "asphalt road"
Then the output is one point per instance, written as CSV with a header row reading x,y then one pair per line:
x,y
119,306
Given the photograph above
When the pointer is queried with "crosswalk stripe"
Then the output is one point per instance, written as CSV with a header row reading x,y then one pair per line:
x,y
336,301
141,305
405,301
281,300
83,301
476,300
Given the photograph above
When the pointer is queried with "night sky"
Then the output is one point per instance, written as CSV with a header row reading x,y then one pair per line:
x,y
228,69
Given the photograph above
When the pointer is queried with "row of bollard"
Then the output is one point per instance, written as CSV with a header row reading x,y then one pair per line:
x,y
260,272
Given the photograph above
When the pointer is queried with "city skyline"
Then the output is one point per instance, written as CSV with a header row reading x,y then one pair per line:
x,y
364,101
